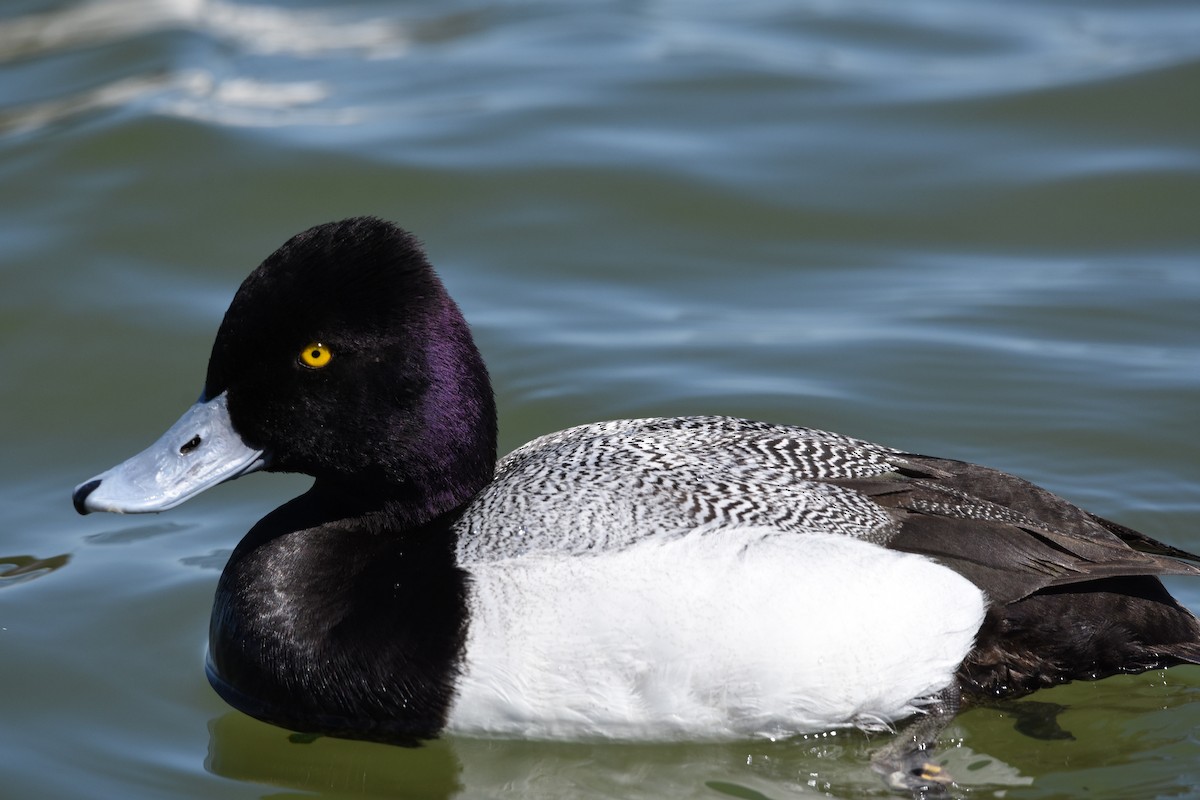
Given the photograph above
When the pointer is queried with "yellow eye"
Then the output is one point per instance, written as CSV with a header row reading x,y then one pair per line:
x,y
316,355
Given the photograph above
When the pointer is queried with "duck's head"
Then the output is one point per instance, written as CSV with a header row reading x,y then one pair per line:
x,y
341,357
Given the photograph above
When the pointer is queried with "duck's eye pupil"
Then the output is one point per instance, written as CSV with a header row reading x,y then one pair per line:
x,y
316,355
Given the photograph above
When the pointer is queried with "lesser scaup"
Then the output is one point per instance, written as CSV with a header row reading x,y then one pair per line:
x,y
694,577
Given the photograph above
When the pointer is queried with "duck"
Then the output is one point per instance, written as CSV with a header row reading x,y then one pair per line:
x,y
673,578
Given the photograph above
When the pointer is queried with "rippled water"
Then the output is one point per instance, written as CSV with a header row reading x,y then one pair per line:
x,y
967,229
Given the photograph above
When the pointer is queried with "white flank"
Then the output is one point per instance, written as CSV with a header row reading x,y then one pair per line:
x,y
728,634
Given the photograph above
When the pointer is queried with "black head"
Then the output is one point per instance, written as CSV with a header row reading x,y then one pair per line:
x,y
343,357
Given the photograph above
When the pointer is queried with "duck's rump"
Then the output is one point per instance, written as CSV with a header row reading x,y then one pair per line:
x,y
1009,536
1071,595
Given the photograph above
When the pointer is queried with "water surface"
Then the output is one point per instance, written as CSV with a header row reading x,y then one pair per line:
x,y
967,229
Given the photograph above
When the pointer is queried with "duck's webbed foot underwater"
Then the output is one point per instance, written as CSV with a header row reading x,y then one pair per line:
x,y
907,763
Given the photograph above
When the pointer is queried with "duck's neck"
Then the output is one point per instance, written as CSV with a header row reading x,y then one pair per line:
x,y
333,618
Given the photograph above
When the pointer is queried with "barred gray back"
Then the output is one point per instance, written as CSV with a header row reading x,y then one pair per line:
x,y
609,484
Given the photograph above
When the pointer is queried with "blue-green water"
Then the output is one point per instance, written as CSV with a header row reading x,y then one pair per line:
x,y
967,229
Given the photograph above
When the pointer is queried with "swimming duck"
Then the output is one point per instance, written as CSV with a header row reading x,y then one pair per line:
x,y
669,578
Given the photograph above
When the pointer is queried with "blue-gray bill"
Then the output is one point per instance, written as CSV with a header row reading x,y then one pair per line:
x,y
199,451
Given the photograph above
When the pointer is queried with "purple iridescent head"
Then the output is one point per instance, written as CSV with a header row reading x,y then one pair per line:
x,y
343,357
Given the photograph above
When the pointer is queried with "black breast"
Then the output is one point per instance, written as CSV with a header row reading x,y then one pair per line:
x,y
340,625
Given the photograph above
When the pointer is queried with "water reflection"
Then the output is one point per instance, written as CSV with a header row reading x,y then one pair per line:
x,y
18,569
243,749
214,559
196,92
258,29
138,532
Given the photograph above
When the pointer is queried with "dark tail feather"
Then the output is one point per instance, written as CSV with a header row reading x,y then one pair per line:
x,y
1141,542
1081,631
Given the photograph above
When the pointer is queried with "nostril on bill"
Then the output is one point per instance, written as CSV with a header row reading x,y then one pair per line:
x,y
189,445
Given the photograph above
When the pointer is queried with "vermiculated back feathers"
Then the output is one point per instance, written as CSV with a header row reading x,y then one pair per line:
x,y
605,485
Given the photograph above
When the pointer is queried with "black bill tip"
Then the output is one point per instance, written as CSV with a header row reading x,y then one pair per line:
x,y
80,496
